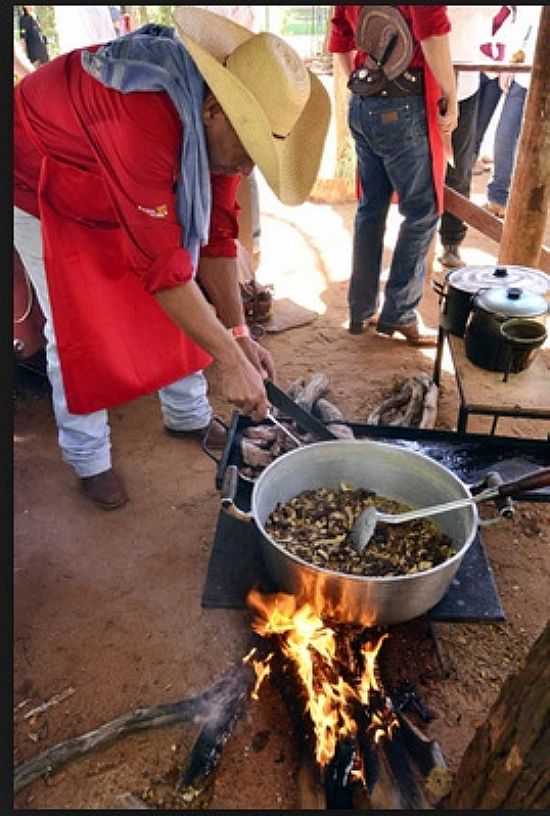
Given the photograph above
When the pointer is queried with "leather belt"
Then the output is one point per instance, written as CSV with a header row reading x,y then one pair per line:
x,y
374,83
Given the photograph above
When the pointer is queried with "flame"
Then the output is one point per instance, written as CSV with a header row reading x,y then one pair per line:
x,y
311,646
368,678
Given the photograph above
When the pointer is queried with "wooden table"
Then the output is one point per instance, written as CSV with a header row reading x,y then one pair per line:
x,y
486,393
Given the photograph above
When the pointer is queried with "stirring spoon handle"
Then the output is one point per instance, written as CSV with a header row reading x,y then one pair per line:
x,y
421,512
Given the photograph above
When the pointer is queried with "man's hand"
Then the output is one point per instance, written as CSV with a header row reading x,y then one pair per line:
x,y
260,357
242,384
447,116
505,81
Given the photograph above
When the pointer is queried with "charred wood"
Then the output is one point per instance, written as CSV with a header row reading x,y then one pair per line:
x,y
339,781
413,403
311,794
208,747
195,709
329,413
313,389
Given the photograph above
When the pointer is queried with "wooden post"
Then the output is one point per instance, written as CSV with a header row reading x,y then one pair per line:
x,y
506,766
527,207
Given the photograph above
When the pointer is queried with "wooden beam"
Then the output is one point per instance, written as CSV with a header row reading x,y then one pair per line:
x,y
486,223
494,67
527,208
475,216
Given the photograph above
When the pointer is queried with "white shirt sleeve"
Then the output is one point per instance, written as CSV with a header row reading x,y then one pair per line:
x,y
471,26
523,35
80,26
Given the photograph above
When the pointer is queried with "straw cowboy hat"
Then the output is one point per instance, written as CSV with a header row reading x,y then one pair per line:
x,y
278,108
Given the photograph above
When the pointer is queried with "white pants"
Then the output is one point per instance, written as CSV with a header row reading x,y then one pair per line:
x,y
85,439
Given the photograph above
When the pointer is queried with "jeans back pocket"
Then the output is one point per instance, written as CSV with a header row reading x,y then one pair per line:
x,y
396,124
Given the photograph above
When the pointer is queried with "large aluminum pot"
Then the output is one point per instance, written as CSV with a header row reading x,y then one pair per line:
x,y
391,471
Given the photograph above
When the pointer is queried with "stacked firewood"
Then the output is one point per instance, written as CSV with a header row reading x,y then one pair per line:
x,y
412,403
262,444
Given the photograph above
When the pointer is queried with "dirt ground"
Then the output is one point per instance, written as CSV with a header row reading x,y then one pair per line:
x,y
109,603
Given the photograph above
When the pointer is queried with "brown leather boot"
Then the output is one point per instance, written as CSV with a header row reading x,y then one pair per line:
x,y
105,489
358,326
411,332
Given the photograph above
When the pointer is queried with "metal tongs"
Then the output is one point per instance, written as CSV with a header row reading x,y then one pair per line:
x,y
285,430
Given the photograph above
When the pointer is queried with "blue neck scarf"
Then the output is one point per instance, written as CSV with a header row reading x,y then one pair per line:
x,y
153,59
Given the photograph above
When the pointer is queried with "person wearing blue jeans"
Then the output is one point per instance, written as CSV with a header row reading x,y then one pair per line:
x,y
506,140
522,49
394,114
489,96
393,153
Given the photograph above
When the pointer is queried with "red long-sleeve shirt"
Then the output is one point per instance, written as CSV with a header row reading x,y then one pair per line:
x,y
136,149
424,22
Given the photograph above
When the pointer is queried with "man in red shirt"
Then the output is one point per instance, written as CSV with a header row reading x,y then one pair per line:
x,y
397,132
112,207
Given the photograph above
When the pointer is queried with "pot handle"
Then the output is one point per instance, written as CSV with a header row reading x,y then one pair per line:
x,y
229,492
204,443
504,506
533,481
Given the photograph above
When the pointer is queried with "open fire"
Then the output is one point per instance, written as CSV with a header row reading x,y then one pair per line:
x,y
336,667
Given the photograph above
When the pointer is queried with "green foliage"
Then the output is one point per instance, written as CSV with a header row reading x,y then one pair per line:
x,y
46,17
163,15
305,20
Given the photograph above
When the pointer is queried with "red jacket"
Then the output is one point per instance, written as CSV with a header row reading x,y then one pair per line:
x,y
424,22
99,168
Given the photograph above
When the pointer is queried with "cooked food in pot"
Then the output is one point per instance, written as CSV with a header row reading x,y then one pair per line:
x,y
316,524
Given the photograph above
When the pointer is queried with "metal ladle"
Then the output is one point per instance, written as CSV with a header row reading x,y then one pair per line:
x,y
364,526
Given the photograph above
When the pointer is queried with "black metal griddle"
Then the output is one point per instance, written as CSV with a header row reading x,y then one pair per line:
x,y
236,564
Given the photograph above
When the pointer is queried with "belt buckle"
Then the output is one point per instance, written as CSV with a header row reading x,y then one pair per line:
x,y
364,75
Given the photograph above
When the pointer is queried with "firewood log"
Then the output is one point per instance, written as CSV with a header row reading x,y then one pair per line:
x,y
328,412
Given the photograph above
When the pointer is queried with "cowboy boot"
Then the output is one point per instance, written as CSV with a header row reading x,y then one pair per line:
x,y
105,489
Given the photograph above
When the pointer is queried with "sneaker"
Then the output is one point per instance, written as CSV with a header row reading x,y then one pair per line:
x,y
105,489
495,209
451,256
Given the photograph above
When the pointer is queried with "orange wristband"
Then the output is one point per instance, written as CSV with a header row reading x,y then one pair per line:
x,y
240,331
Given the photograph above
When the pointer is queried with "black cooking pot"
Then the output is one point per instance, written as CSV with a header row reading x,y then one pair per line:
x,y
484,342
461,285
523,338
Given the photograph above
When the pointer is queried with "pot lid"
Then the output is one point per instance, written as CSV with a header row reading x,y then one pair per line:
x,y
511,301
473,278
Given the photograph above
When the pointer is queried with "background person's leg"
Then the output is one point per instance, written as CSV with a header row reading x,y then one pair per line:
x,y
452,230
408,163
506,140
489,96
84,438
370,222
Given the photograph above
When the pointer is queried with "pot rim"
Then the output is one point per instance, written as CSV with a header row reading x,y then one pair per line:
x,y
514,321
528,271
361,579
